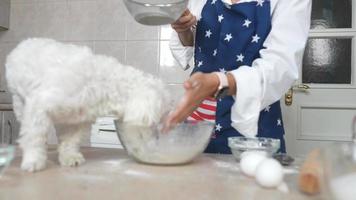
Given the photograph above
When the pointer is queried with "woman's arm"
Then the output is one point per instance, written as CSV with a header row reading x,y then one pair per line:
x,y
271,75
197,88
183,27
187,38
181,44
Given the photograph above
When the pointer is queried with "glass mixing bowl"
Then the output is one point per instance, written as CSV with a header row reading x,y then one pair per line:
x,y
178,146
156,12
7,153
240,144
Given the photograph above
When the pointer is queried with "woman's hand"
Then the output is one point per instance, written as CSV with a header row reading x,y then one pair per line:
x,y
183,26
185,22
198,87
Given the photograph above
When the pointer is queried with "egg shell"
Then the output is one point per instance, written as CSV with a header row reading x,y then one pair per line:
x,y
250,161
269,173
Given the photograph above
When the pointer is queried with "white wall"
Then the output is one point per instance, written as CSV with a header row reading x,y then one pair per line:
x,y
103,25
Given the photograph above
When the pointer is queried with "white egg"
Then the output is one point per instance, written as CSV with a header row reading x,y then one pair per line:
x,y
253,152
249,162
269,173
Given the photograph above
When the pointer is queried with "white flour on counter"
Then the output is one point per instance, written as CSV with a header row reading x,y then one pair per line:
x,y
344,187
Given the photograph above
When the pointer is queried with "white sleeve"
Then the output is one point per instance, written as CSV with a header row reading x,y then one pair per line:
x,y
184,54
271,75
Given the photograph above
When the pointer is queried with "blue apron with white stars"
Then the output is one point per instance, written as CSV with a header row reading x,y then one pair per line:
x,y
227,37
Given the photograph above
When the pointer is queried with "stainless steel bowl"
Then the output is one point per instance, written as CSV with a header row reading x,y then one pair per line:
x,y
156,12
149,145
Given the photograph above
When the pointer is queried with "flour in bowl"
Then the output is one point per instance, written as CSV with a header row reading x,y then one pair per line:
x,y
181,145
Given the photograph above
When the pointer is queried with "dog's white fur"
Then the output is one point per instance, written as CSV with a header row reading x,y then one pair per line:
x,y
64,87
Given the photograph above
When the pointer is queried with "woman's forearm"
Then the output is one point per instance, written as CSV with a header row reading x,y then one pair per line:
x,y
187,38
232,84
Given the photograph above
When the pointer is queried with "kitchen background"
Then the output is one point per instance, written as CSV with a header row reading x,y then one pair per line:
x,y
323,100
103,25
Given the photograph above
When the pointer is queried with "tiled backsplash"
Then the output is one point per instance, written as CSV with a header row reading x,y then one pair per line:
x,y
103,25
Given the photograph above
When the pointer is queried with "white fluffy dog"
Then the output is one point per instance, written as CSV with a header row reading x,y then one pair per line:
x,y
64,87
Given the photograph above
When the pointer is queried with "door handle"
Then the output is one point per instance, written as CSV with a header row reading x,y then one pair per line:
x,y
288,98
302,87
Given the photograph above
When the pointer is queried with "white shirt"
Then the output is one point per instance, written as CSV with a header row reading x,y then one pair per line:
x,y
271,75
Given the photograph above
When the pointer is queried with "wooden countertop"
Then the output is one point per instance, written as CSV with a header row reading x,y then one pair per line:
x,y
110,174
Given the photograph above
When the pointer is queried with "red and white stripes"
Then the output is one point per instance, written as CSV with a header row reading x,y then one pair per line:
x,y
205,112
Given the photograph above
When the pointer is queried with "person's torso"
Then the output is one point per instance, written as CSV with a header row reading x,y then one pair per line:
x,y
227,37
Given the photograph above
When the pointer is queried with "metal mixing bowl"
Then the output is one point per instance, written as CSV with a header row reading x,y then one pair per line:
x,y
238,145
149,145
156,12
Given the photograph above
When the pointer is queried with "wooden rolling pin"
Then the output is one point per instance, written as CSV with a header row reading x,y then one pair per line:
x,y
310,174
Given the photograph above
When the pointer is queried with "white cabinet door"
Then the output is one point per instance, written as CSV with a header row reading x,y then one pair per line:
x,y
9,127
5,49
103,134
4,14
323,113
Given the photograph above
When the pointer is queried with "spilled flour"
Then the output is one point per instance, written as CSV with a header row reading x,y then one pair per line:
x,y
343,188
137,173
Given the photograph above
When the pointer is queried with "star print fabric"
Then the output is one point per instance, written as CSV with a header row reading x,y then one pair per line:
x,y
227,37
236,33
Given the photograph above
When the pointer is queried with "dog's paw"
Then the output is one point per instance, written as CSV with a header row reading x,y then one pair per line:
x,y
71,159
34,159
31,165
